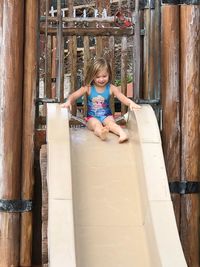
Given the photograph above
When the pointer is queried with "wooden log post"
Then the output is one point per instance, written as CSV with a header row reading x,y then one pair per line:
x,y
190,111
29,94
86,60
53,67
99,40
110,43
11,69
124,66
59,56
47,55
170,96
137,52
147,67
73,56
157,49
151,52
48,66
112,64
43,168
90,31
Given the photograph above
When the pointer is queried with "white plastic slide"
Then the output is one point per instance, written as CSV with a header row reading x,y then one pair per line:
x,y
109,203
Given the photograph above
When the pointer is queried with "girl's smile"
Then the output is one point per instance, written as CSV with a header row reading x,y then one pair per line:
x,y
101,78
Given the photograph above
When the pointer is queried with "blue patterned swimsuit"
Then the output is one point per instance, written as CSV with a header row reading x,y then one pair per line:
x,y
98,104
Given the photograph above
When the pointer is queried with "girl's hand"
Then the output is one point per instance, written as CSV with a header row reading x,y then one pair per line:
x,y
67,104
133,105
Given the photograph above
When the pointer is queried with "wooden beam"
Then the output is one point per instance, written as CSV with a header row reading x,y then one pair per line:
x,y
53,67
107,31
11,69
190,112
137,52
79,19
29,94
43,168
170,97
86,61
73,57
124,66
59,56
99,40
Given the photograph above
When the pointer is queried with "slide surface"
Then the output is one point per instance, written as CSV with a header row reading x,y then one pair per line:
x,y
109,203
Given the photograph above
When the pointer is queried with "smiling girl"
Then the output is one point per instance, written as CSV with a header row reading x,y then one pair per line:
x,y
98,88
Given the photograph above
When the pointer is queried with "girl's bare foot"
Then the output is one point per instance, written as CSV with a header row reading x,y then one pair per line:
x,y
123,137
104,133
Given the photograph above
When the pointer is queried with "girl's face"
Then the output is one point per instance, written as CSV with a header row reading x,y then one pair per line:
x,y
101,78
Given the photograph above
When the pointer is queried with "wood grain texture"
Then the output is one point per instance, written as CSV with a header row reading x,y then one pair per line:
x,y
43,167
171,97
11,69
190,111
29,94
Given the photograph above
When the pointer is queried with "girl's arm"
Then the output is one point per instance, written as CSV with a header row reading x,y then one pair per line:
x,y
74,96
125,100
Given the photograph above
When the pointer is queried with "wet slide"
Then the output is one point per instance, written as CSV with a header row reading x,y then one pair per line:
x,y
109,203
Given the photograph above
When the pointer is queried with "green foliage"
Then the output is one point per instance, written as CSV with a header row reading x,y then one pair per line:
x,y
129,79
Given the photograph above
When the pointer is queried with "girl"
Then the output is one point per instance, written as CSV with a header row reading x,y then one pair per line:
x,y
98,89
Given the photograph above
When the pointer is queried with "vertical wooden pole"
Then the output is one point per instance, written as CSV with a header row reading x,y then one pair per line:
x,y
30,78
150,52
157,49
73,56
60,56
124,66
43,168
105,39
99,40
86,56
86,59
53,67
190,111
112,64
170,96
137,52
11,69
47,56
110,43
146,63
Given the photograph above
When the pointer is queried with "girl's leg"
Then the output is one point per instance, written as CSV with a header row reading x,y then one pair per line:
x,y
116,129
99,130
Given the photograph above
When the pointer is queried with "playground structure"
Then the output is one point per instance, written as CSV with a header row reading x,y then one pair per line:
x,y
166,75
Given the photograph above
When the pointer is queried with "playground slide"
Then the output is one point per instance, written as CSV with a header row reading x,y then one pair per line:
x,y
109,203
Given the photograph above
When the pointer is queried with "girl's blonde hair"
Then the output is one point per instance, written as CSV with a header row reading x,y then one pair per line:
x,y
96,66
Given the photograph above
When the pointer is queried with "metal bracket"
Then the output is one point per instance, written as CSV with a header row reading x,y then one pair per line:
x,y
180,2
146,4
147,101
46,100
184,187
15,205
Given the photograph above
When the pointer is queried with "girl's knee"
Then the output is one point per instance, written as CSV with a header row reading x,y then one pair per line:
x,y
109,124
93,124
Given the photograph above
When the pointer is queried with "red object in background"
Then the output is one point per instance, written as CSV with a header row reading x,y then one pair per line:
x,y
123,19
130,88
